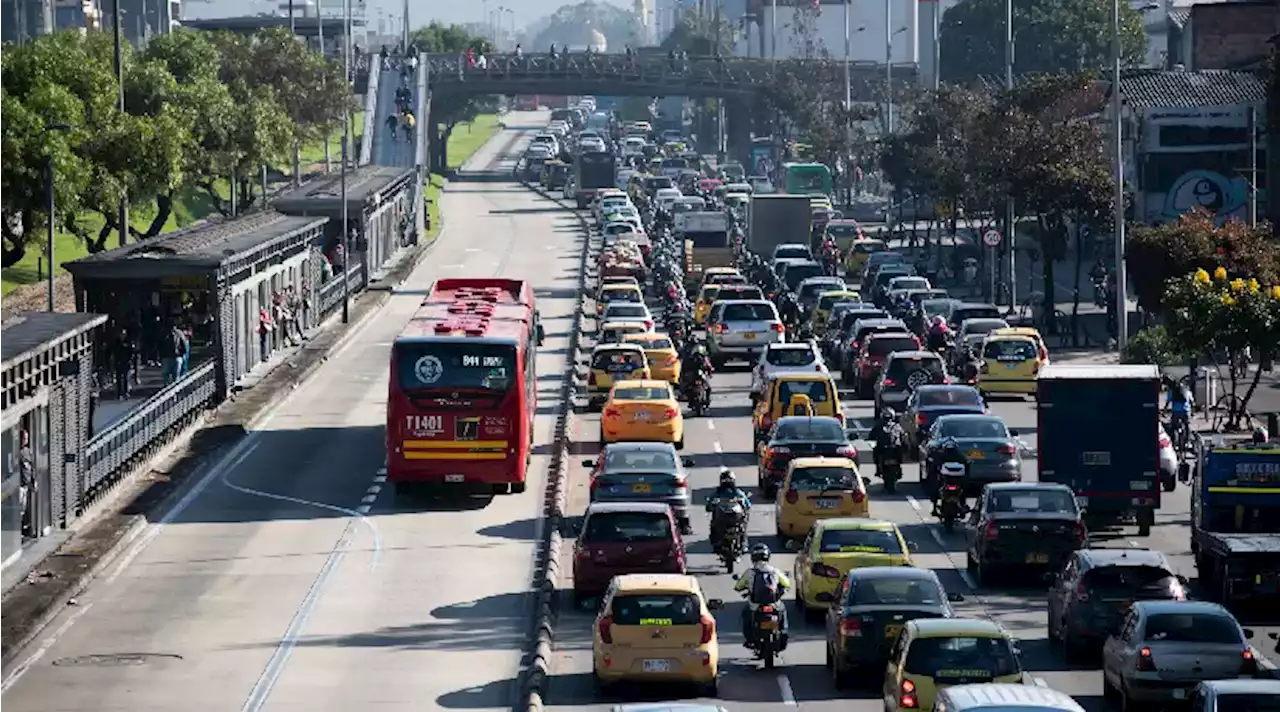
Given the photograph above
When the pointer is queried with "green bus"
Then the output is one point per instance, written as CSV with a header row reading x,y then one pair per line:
x,y
806,179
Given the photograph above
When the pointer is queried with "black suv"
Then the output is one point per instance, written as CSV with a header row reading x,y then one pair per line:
x,y
904,372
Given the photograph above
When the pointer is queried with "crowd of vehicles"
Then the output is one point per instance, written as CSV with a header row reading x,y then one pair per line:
x,y
768,285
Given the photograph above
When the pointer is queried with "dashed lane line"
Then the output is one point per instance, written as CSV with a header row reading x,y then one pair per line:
x,y
784,689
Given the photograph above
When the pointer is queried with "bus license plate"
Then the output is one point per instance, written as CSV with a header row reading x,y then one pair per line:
x,y
1037,558
657,666
455,478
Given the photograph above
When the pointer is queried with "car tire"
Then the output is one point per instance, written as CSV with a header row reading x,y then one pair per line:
x,y
680,444
711,689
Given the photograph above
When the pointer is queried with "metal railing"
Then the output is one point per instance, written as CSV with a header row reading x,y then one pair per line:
x,y
370,114
331,292
135,437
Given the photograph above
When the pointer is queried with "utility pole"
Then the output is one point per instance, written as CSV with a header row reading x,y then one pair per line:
x,y
1117,147
1010,214
1252,123
122,215
346,141
888,66
297,147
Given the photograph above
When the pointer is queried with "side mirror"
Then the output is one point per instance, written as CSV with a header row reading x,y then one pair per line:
x,y
866,481
1248,633
715,604
955,598
686,461
589,464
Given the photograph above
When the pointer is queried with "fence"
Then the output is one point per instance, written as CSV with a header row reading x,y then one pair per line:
x,y
370,114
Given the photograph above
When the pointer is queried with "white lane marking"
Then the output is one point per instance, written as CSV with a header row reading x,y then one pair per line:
x,y
1134,544
374,489
938,538
364,508
369,498
473,249
711,425
968,580
380,479
45,646
912,501
784,688
716,446
354,515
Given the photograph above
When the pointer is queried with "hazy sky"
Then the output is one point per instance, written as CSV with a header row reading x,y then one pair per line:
x,y
421,12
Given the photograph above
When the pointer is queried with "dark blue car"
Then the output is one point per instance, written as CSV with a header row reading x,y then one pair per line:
x,y
928,403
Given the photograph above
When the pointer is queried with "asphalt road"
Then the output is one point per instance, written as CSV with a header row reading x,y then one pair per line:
x,y
290,578
723,437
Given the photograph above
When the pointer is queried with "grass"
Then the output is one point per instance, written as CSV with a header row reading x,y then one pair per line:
x,y
314,154
463,143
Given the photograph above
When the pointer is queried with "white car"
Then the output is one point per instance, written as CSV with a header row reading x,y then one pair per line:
x,y
799,357
610,203
621,228
627,311
591,145
666,198
633,146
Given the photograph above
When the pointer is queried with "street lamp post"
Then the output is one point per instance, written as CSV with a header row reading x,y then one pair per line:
x,y
888,69
773,29
346,142
1010,214
50,254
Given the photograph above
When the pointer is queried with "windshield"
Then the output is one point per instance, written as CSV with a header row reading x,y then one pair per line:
x,y
810,429
816,479
709,294
896,591
949,396
1128,580
817,391
748,312
813,289
871,247
625,527
626,311
737,292
662,609
790,357
1010,350
884,347
792,253
642,393
971,428
657,183
842,231
1241,702
909,283
808,179
1192,628
902,366
1032,501
865,541
454,366
935,306
618,361
617,458
651,343
798,272
983,326
610,296
973,658
959,315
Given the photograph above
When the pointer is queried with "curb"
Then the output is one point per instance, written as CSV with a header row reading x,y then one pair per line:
x,y
547,573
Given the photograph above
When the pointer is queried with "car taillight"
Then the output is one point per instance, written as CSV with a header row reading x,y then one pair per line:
x,y
605,627
708,630
859,496
848,451
583,553
648,324
1082,534
766,422
719,328
671,361
681,482
595,482
952,488
890,383
821,569
840,417
671,413
777,450
991,532
778,327
1146,663
921,418
792,497
853,344
766,609
612,413
907,698
850,627
1248,663
1007,450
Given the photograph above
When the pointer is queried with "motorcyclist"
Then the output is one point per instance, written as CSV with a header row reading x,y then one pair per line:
x,y
948,452
881,435
760,564
695,366
1260,436
727,490
939,334
789,309
1180,401
954,473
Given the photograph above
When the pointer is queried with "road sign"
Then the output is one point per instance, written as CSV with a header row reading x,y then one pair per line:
x,y
991,238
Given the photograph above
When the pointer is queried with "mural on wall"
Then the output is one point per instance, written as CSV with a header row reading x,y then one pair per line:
x,y
1225,197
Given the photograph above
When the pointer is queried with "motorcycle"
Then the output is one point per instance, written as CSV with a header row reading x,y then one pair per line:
x,y
889,468
951,504
766,623
699,395
728,525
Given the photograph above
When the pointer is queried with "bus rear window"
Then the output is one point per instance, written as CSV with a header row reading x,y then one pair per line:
x,y
461,365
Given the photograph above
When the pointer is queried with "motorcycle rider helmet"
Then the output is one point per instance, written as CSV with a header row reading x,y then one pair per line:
x,y
1260,435
888,415
727,478
951,469
759,553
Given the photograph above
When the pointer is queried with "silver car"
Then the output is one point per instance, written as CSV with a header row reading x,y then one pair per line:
x,y
642,472
1166,648
1237,696
740,329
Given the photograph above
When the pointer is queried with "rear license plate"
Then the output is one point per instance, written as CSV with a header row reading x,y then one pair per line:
x,y
976,454
1037,558
893,630
641,416
455,478
657,666
826,503
749,336
768,625
642,489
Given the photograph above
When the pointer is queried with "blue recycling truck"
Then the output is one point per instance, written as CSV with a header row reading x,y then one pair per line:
x,y
1235,521
1097,435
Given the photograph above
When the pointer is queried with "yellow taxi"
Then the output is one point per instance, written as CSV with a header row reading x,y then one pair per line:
x,y
611,363
706,298
1010,364
664,362
837,546
720,275
1031,333
860,251
618,291
642,410
613,332
656,628
936,653
817,488
822,308
782,389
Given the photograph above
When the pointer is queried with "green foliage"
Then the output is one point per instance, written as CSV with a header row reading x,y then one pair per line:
x,y
577,25
451,110
438,37
198,107
1050,36
696,35
1156,254
1154,345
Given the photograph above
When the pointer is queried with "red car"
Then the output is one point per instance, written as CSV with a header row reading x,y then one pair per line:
x,y
875,349
625,538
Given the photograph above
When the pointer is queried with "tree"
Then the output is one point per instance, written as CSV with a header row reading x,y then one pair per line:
x,y
1273,135
576,25
1050,36
1210,311
1159,253
449,110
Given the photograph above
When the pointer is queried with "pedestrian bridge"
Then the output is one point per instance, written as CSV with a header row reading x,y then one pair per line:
x,y
620,75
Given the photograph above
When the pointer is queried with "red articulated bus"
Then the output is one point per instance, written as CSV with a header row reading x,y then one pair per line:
x,y
463,389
